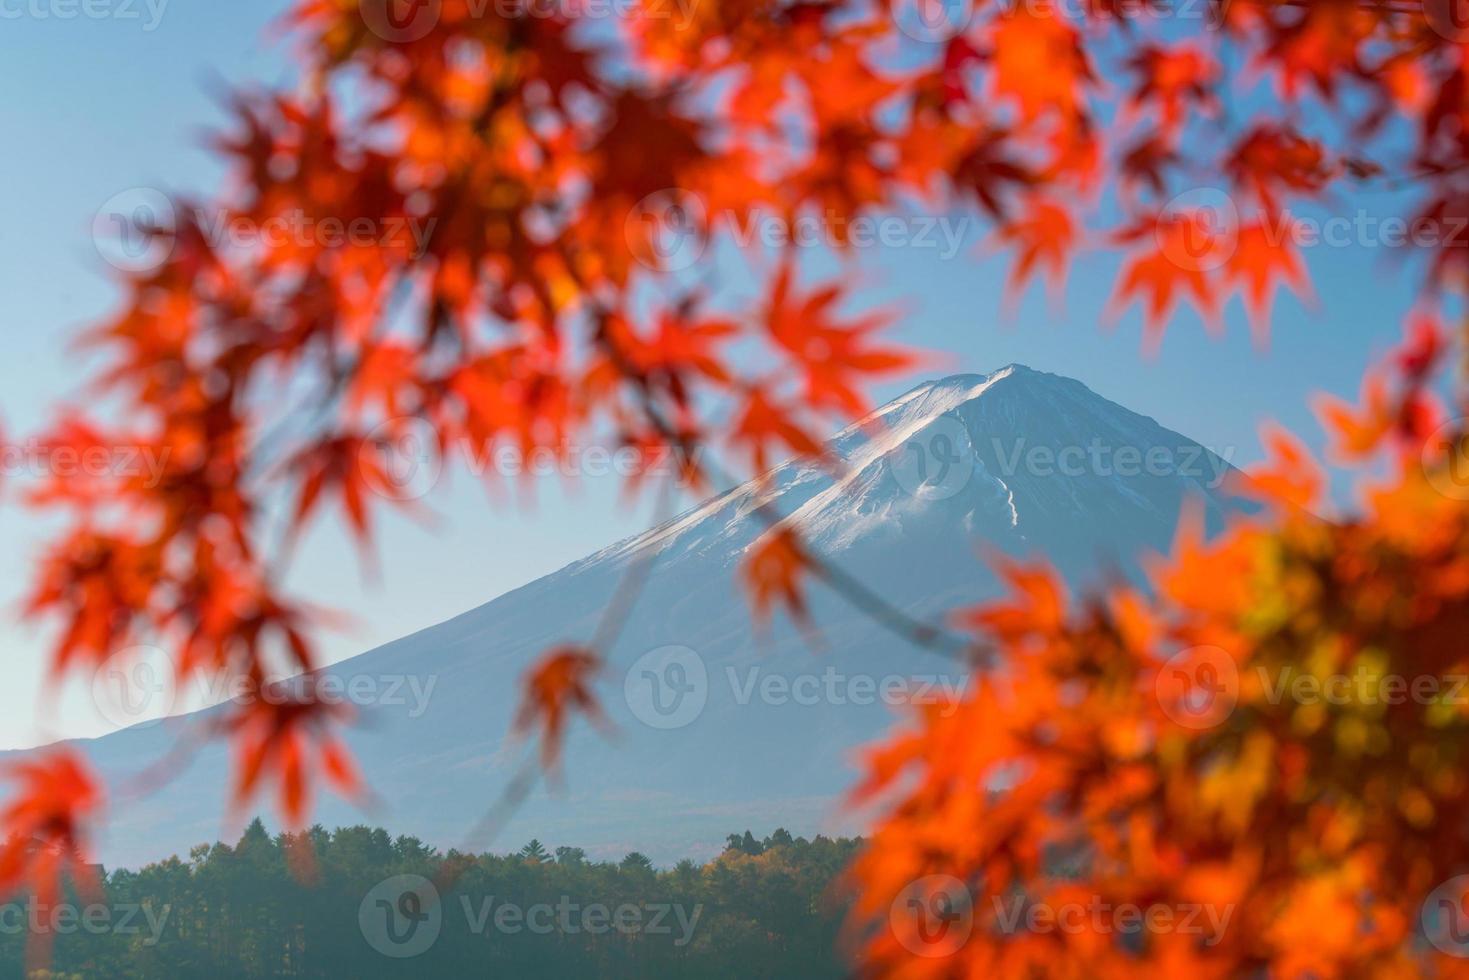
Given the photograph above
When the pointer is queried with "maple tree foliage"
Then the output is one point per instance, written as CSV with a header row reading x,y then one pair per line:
x,y
541,154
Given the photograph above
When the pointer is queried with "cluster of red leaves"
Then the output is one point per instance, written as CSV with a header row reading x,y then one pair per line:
x,y
533,307
1084,771
497,161
45,830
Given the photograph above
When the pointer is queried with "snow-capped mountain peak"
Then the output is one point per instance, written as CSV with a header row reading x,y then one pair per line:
x,y
1016,461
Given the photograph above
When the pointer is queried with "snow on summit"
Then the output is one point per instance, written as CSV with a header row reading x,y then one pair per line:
x,y
998,459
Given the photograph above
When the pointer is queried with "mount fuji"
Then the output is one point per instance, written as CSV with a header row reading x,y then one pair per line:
x,y
714,727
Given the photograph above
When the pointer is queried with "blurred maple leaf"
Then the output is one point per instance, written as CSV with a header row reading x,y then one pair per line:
x,y
556,689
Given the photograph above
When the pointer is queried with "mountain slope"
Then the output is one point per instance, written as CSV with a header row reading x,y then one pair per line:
x,y
714,728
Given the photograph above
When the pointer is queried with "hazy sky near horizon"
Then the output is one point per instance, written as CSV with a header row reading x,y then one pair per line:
x,y
96,107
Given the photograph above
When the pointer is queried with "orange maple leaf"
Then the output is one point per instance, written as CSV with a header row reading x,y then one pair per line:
x,y
1264,258
831,353
773,569
554,689
1043,236
279,729
1185,249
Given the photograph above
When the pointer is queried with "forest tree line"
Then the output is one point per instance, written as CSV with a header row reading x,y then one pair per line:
x,y
358,902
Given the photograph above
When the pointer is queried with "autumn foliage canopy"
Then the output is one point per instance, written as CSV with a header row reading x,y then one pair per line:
x,y
548,155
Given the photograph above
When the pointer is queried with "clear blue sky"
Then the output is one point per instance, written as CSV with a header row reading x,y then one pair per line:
x,y
94,107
